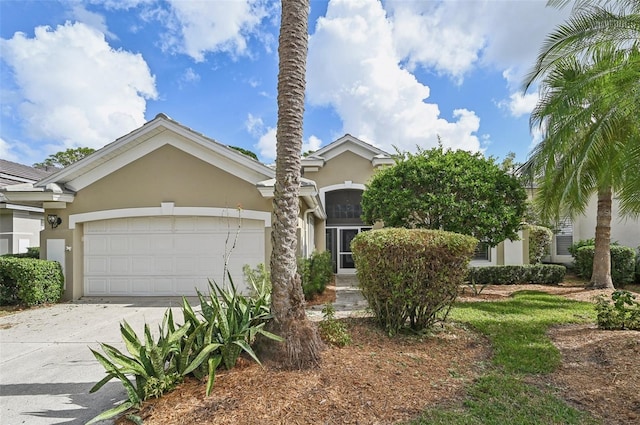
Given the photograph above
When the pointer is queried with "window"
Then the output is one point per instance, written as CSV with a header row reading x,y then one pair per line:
x,y
482,252
343,207
564,237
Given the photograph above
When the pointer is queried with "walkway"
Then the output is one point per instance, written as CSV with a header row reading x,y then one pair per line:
x,y
349,300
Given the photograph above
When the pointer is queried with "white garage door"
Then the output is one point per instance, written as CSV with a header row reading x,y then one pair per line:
x,y
167,255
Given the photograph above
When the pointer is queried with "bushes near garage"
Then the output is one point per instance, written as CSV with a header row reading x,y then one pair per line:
x,y
542,274
623,263
28,281
411,275
315,273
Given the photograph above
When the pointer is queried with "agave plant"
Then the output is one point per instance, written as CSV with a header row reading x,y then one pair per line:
x,y
156,366
234,321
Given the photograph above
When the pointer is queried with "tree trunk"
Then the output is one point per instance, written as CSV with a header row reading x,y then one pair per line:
x,y
601,276
302,344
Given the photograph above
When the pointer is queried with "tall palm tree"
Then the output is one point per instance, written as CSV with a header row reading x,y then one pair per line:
x,y
593,23
301,346
589,74
588,113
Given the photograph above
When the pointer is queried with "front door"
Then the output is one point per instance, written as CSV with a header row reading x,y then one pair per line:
x,y
344,258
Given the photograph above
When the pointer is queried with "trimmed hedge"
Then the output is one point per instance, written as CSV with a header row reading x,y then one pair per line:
x,y
28,281
315,273
539,243
410,274
542,274
623,263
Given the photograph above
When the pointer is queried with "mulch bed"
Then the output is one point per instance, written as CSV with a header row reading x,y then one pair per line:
x,y
377,380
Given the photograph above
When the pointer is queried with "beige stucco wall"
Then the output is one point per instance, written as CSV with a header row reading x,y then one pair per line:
x,y
626,231
345,167
164,175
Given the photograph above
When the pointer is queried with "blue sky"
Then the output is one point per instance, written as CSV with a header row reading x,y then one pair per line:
x,y
394,73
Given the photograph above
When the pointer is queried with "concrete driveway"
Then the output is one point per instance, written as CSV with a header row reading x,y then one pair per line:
x,y
46,368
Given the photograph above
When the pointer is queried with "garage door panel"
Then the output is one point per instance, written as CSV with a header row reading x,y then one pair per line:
x,y
141,285
119,286
142,265
161,224
167,255
96,265
139,244
119,245
120,225
97,286
163,286
163,265
96,245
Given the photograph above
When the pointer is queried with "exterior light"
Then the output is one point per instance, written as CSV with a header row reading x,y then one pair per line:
x,y
54,220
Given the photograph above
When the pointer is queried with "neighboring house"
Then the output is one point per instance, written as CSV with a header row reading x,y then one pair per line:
x,y
625,231
20,223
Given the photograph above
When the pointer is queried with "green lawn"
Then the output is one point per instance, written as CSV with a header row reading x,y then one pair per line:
x,y
517,330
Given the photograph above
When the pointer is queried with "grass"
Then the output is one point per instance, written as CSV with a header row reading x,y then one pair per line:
x,y
517,327
517,330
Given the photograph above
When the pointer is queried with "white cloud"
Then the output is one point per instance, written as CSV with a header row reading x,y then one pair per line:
x,y
520,104
189,76
455,37
92,19
312,144
197,27
354,67
121,4
437,36
267,145
7,152
76,90
254,125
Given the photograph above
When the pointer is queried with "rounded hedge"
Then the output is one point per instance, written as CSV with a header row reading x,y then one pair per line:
x,y
411,275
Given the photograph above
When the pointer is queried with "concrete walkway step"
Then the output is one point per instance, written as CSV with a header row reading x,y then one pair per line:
x,y
349,300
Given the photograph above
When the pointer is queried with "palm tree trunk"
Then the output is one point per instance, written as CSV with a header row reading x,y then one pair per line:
x,y
601,276
302,344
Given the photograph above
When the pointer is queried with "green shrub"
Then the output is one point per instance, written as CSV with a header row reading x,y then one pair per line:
x,y
411,274
539,243
28,281
315,273
573,248
332,331
542,274
621,312
623,263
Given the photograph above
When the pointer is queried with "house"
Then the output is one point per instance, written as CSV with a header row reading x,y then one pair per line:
x,y
624,230
163,209
20,224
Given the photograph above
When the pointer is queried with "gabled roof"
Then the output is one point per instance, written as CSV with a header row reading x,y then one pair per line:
x,y
14,173
160,131
148,138
348,143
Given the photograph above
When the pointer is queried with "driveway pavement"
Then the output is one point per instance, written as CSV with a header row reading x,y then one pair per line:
x,y
46,368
